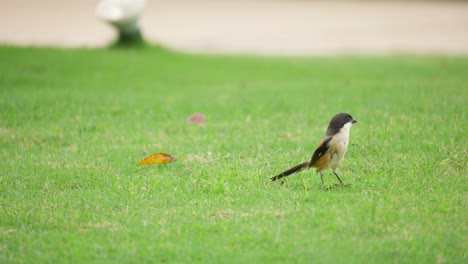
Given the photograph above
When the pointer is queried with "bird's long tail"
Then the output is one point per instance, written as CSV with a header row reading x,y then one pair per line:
x,y
292,170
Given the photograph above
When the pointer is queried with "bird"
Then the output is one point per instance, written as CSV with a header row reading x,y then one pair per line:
x,y
330,151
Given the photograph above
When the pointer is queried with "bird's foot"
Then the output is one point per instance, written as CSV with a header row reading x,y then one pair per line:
x,y
334,186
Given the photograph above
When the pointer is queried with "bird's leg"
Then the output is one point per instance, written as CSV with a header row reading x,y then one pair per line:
x,y
321,178
338,177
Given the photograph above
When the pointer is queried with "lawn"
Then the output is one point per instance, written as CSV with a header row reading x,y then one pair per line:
x,y
74,123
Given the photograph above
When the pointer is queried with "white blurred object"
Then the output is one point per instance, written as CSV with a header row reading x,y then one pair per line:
x,y
123,14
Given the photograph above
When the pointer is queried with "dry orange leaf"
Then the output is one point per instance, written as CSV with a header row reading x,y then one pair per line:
x,y
158,158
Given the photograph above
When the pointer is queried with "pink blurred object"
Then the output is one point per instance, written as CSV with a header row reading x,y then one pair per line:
x,y
197,118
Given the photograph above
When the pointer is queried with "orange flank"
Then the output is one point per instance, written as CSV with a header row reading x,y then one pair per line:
x,y
158,158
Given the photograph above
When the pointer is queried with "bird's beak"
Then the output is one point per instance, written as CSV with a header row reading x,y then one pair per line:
x,y
354,121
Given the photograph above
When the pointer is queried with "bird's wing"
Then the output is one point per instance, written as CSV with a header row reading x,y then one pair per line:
x,y
320,151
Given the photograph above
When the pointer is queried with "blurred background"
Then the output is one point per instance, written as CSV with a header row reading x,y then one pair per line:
x,y
291,27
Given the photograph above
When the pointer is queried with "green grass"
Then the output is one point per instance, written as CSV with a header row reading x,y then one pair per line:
x,y
74,123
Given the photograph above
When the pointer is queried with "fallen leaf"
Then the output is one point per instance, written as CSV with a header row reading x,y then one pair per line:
x,y
158,158
197,118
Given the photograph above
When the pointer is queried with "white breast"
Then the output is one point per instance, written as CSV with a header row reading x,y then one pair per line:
x,y
340,140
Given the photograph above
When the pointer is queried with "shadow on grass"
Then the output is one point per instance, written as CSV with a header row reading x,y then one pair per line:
x,y
297,185
334,186
135,42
